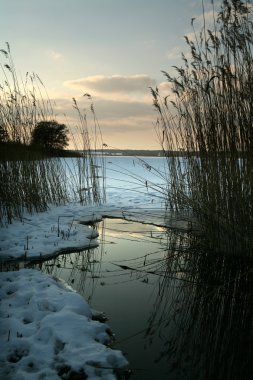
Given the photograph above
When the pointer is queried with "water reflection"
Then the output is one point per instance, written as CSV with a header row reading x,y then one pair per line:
x,y
176,309
208,317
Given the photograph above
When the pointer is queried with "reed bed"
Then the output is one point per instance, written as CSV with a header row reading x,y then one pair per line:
x,y
32,179
209,120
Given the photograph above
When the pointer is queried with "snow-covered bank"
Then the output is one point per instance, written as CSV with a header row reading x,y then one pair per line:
x,y
46,332
62,229
134,192
48,233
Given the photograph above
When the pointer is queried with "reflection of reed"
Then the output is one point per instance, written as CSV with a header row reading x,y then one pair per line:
x,y
85,270
80,270
205,316
200,320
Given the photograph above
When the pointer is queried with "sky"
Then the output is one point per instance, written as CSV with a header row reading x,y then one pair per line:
x,y
112,49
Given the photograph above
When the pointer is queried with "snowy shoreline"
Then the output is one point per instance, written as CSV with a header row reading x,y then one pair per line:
x,y
47,331
69,228
45,234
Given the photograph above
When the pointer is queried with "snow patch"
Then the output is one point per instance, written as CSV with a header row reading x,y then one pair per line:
x,y
47,331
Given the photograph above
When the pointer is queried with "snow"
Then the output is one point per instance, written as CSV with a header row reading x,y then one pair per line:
x,y
60,230
64,228
46,329
49,233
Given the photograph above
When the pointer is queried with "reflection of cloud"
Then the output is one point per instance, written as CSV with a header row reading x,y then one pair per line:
x,y
114,87
56,56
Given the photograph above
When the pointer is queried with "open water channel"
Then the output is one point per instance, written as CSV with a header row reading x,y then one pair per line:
x,y
177,312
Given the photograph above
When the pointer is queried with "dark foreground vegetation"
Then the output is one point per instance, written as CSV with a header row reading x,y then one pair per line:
x,y
210,111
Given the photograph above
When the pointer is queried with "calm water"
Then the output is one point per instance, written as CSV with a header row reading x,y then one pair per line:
x,y
177,312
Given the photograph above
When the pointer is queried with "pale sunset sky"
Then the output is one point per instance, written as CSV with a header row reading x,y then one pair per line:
x,y
112,49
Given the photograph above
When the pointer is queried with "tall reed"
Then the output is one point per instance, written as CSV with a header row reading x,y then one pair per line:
x,y
210,121
90,164
29,179
202,312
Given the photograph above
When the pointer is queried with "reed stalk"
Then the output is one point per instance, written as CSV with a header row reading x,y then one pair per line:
x,y
210,121
30,179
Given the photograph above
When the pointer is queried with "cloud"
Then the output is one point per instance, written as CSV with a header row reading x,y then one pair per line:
x,y
105,109
209,17
123,124
55,55
165,88
114,87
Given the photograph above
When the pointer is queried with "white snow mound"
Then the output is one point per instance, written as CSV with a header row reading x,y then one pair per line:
x,y
46,332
